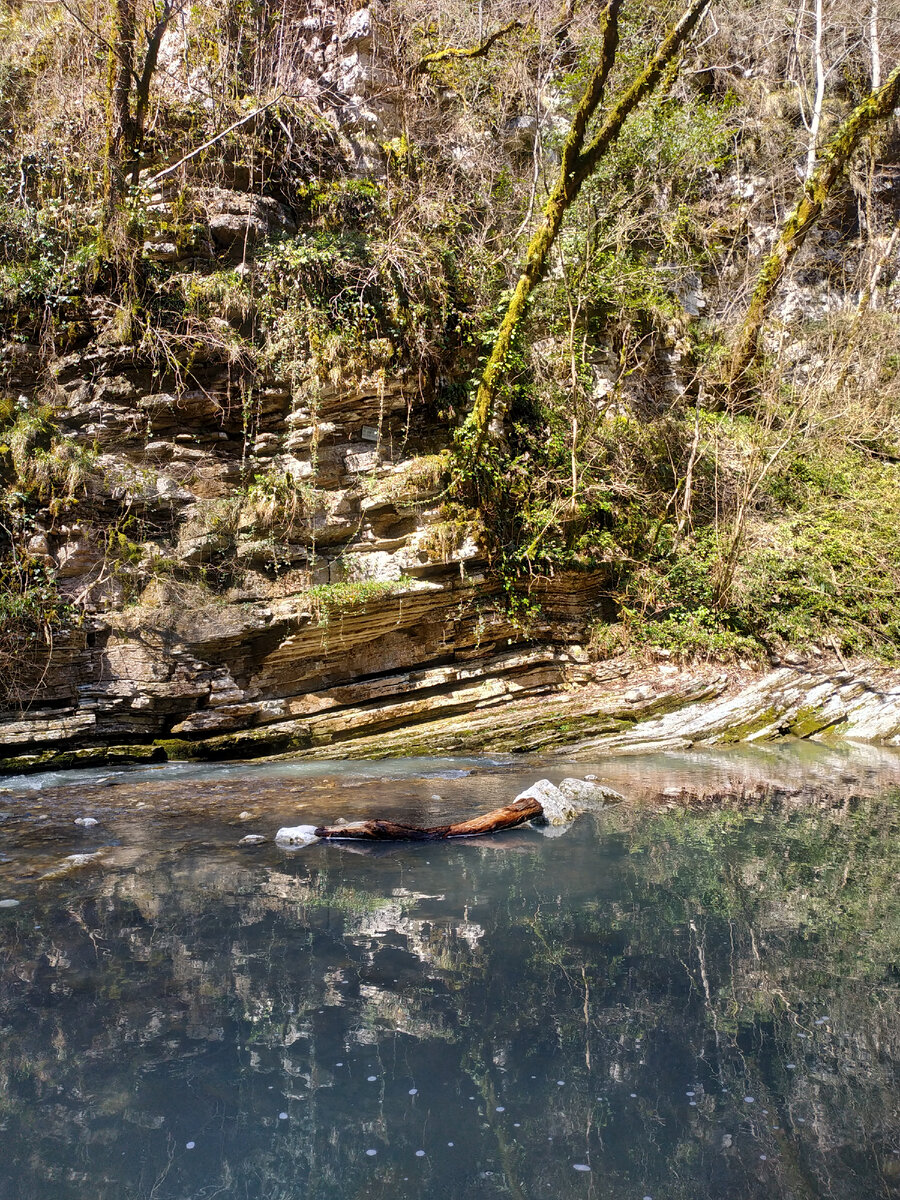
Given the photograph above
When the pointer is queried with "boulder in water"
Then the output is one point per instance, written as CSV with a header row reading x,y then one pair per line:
x,y
562,804
296,835
558,809
589,795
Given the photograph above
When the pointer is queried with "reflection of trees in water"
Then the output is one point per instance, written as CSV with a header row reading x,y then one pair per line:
x,y
196,997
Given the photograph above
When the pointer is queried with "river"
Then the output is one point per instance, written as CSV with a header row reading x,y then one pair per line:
x,y
692,994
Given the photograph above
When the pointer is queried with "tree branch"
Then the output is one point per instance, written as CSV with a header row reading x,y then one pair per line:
x,y
806,212
575,166
439,56
212,141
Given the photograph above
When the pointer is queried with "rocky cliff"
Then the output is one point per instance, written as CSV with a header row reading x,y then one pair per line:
x,y
236,520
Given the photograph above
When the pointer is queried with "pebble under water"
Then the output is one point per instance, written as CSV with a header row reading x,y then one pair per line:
x,y
662,1000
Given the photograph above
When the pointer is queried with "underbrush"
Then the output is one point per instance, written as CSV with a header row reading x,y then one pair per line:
x,y
819,565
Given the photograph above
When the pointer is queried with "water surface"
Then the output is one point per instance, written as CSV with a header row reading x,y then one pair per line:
x,y
667,1000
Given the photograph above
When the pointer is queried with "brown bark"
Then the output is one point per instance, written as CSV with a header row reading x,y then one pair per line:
x,y
508,817
120,134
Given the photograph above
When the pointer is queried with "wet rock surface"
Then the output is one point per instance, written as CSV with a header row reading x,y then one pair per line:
x,y
248,682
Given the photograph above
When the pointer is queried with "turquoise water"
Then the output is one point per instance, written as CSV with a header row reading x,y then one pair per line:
x,y
664,1001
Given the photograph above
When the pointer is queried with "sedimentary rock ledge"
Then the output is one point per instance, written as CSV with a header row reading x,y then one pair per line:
x,y
546,699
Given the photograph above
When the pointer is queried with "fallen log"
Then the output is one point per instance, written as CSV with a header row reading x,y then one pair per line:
x,y
509,817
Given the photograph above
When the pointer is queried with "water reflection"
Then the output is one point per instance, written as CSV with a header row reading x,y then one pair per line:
x,y
660,1003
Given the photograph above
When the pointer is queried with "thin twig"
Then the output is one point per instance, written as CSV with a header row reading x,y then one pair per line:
x,y
212,141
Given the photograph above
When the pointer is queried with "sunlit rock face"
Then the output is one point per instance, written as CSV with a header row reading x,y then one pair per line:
x,y
217,619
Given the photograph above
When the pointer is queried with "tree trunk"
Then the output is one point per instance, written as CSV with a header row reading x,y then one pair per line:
x,y
819,98
807,211
578,162
142,99
120,132
512,815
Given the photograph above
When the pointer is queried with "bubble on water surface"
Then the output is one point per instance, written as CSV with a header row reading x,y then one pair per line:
x,y
420,1154
560,1083
499,1108
189,1145
372,1078
633,1095
282,1116
449,1143
580,1167
749,1100
791,1066
763,1157
371,1153
414,1091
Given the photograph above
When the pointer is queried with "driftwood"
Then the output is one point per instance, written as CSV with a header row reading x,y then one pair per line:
x,y
508,817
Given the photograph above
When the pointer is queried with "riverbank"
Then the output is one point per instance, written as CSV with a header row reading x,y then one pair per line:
x,y
562,704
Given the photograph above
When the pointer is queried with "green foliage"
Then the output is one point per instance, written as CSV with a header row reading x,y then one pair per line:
x,y
36,458
829,567
330,599
349,302
32,613
344,204
820,565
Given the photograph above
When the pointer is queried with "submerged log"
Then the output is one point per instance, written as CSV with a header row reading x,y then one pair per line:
x,y
508,817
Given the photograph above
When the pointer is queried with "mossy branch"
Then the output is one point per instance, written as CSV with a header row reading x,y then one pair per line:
x,y
645,83
439,56
577,163
877,106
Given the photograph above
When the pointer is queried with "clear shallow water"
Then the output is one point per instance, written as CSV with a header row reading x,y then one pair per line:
x,y
663,1001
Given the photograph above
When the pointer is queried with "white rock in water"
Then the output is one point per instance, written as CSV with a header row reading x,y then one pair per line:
x,y
562,804
80,860
252,839
557,809
87,822
296,835
592,795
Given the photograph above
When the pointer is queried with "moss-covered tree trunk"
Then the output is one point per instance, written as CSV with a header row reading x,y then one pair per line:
x,y
577,163
120,131
877,106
